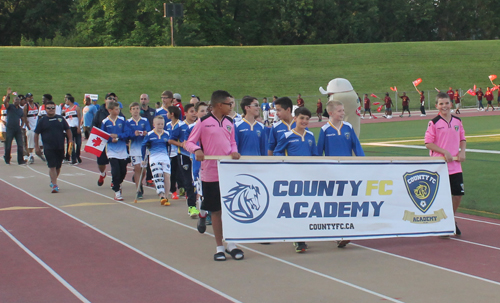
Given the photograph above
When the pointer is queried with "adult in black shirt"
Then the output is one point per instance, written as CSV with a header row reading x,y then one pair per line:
x,y
54,130
15,115
148,113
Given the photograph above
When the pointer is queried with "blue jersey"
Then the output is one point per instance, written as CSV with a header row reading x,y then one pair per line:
x,y
136,141
294,144
163,112
178,133
236,118
265,106
196,165
338,142
157,144
277,130
250,138
119,127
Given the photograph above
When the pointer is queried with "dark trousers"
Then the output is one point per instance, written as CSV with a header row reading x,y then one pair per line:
x,y
174,180
422,109
118,172
185,176
11,134
77,142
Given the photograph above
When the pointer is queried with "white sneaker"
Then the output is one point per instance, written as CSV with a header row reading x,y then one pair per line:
x,y
362,117
25,158
371,117
389,117
118,196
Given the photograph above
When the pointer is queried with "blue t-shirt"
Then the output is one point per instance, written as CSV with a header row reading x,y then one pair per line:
x,y
293,144
265,106
250,138
339,142
136,141
157,144
277,130
117,150
163,112
178,133
89,115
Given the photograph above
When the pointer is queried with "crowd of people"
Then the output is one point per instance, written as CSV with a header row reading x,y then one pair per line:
x,y
167,146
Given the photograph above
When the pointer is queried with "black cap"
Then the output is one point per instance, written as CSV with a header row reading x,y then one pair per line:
x,y
29,95
110,94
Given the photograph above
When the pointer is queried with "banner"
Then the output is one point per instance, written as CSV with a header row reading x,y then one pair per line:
x,y
319,200
97,141
93,97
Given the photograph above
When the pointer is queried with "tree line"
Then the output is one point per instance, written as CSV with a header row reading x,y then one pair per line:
x,y
245,22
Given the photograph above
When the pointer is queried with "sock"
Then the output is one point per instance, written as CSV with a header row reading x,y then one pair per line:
x,y
220,248
230,246
32,154
203,213
103,174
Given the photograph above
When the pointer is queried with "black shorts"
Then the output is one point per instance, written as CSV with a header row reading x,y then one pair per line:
x,y
406,107
489,102
211,196
54,157
103,159
457,184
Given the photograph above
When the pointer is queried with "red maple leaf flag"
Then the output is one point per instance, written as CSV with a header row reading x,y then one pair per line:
x,y
97,141
374,96
492,77
471,92
417,82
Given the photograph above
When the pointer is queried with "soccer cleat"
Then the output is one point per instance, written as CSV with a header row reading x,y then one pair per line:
x,y
55,189
457,230
31,160
300,247
100,182
182,191
164,201
118,196
175,196
343,243
193,212
201,225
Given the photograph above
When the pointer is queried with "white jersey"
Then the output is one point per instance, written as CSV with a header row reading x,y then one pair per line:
x,y
71,115
32,116
237,118
3,111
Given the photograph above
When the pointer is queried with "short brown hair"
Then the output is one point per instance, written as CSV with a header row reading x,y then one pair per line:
x,y
442,95
168,93
133,104
113,105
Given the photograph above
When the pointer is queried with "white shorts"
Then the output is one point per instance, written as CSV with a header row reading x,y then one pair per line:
x,y
265,115
30,137
457,105
3,128
165,166
137,160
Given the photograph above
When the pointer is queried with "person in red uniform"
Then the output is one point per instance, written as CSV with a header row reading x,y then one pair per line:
x,y
388,106
367,107
489,97
498,98
451,94
422,104
406,106
300,101
479,95
456,98
319,109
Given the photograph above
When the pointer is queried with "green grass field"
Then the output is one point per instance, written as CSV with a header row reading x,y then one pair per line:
x,y
479,169
258,71
283,71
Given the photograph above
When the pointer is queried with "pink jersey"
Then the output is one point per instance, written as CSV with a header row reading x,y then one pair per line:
x,y
446,136
215,138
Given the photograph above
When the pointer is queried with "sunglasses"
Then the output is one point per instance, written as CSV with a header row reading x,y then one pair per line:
x,y
50,107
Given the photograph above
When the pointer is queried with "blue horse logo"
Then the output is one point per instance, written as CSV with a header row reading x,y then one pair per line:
x,y
244,200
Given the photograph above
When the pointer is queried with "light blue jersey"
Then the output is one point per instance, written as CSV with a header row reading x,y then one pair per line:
x,y
157,144
136,141
265,106
174,150
339,142
178,133
163,112
117,150
196,165
250,138
294,144
277,130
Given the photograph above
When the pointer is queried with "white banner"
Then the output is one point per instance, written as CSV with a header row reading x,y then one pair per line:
x,y
318,200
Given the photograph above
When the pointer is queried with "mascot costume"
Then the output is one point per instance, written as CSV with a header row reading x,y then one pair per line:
x,y
340,89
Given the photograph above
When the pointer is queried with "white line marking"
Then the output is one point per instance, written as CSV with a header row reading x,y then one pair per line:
x,y
125,244
478,244
192,228
44,265
481,221
428,264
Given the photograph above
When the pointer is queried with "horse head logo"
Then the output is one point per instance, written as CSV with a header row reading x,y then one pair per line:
x,y
243,201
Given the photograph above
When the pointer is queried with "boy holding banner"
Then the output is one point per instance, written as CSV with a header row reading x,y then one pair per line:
x,y
298,142
215,132
445,137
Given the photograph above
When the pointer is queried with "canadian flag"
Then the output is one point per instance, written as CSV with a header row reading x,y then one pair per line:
x,y
97,141
417,82
471,92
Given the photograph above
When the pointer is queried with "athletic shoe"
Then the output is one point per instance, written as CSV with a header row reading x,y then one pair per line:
x,y
164,201
6,161
25,158
457,230
150,183
31,160
209,218
300,247
362,117
23,163
409,116
371,117
118,196
202,224
51,185
174,196
100,182
42,158
193,212
401,116
141,189
139,195
66,161
343,243
55,189
74,163
182,191
111,185
79,160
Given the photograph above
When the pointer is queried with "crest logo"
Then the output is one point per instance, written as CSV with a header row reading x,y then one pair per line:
x,y
456,128
228,127
59,119
347,135
310,142
422,186
258,133
247,202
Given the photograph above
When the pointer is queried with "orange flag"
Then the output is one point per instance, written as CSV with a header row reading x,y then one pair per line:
x,y
417,82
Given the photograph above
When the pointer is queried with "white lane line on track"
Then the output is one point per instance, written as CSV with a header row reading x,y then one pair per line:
x,y
123,243
44,265
428,264
481,221
474,243
184,225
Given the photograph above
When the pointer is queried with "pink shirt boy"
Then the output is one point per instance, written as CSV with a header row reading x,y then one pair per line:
x,y
215,138
446,136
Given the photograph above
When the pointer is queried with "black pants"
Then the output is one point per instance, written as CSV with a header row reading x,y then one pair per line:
x,y
11,134
174,171
118,172
185,177
422,109
77,144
